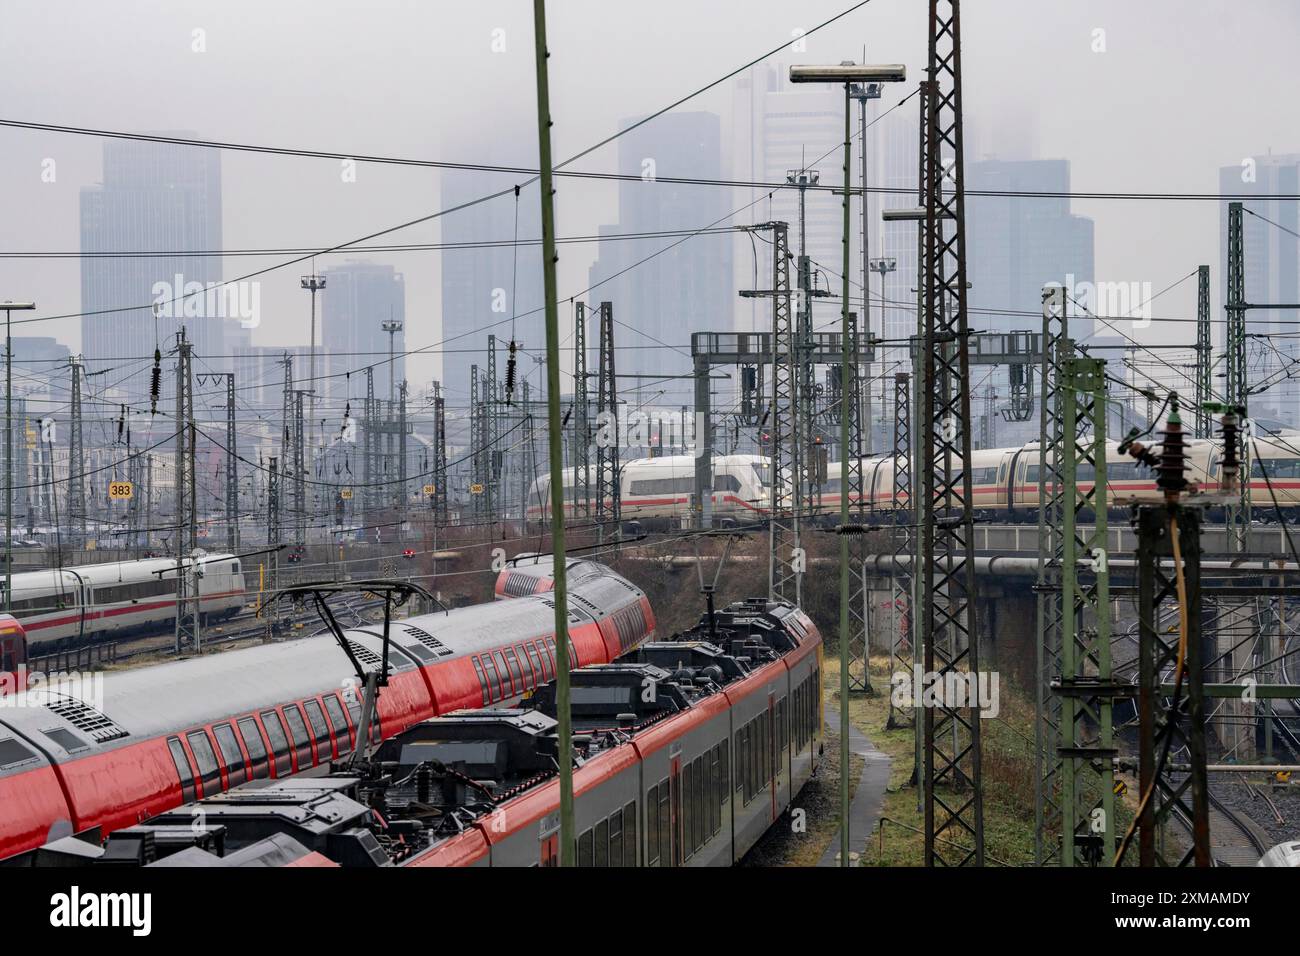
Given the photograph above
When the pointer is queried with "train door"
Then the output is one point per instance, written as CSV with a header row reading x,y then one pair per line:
x,y
13,653
551,850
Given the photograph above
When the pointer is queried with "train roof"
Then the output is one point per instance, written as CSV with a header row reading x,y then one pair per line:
x,y
677,462
99,574
674,462
163,698
434,780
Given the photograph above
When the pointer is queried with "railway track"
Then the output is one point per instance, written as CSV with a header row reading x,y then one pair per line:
x,y
1234,839
244,626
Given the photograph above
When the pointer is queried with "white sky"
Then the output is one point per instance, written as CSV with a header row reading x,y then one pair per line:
x,y
1184,87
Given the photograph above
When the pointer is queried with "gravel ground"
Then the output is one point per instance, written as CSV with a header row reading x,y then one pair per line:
x,y
1249,801
820,798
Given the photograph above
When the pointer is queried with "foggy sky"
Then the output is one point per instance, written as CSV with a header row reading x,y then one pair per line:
x,y
1182,89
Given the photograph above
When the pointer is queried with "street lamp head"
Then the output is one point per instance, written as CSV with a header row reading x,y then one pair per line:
x,y
312,283
849,73
391,325
17,306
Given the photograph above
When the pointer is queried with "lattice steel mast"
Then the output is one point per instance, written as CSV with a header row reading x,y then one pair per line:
x,y
954,813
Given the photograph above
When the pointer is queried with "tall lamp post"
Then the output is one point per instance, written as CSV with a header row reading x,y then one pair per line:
x,y
392,327
313,284
846,74
863,92
9,446
881,267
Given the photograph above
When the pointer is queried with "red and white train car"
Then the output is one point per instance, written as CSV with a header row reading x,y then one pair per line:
x,y
124,746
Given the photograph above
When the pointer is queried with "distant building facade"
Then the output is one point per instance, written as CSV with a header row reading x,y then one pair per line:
x,y
1272,259
357,299
663,288
164,198
490,286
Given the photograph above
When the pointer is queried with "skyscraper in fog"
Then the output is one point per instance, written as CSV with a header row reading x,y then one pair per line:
x,y
358,298
482,269
778,128
1014,246
1272,258
659,302
157,197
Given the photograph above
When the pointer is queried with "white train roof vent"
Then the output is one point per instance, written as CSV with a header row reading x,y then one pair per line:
x,y
364,654
429,641
85,718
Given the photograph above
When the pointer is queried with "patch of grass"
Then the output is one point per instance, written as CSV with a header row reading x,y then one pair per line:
x,y
1007,770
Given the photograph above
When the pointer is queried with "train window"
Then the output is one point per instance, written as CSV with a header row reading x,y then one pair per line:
x,y
629,835
354,708
652,827
708,806
724,771
531,677
715,790
255,746
320,730
342,735
493,680
782,734
600,849
1275,467
482,680
182,769
504,671
539,672
516,675
688,814
726,483
279,742
743,780
584,849
205,758
691,831
665,825
663,486
616,838
298,731
230,754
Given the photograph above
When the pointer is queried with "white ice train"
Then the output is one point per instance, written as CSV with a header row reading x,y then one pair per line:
x,y
661,491
91,602
1004,481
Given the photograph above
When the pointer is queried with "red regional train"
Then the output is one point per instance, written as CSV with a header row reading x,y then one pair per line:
x,y
114,749
686,752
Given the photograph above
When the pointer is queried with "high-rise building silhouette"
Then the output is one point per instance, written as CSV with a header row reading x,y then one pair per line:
x,y
778,128
164,198
1271,252
490,285
660,297
359,297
